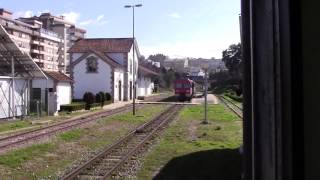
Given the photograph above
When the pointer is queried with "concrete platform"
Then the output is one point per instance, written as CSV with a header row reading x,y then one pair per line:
x,y
211,98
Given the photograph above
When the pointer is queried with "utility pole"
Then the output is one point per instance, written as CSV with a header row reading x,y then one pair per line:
x,y
133,57
205,97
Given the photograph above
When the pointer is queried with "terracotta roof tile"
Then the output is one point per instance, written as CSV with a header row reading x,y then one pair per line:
x,y
58,76
103,45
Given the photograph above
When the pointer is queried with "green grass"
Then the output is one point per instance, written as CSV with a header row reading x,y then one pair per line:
x,y
215,112
141,114
8,126
16,125
17,157
72,135
43,161
191,150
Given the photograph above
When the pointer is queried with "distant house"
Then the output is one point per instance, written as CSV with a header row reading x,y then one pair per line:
x,y
146,74
104,64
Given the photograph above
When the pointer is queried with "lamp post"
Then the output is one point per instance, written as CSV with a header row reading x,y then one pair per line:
x,y
205,67
133,53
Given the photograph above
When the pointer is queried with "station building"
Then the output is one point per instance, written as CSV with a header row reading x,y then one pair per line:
x,y
106,64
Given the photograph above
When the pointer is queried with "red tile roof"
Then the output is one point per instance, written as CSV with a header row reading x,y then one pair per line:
x,y
58,76
103,45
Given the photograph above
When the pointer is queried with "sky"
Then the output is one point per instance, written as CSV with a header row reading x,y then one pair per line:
x,y
177,28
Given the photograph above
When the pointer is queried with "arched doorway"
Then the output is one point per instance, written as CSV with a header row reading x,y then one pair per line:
x,y
119,90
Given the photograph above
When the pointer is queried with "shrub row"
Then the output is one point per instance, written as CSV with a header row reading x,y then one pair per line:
x,y
79,106
99,98
72,107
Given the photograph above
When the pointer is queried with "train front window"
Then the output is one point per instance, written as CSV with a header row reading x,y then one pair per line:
x,y
178,85
186,85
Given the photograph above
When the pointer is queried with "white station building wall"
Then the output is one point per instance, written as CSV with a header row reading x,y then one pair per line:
x,y
145,86
92,82
63,93
118,76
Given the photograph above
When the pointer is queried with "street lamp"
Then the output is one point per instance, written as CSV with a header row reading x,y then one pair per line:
x,y
133,50
205,67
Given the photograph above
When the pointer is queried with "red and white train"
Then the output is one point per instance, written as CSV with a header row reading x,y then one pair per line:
x,y
184,89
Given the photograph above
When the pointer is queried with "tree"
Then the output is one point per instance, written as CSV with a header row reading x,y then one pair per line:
x,y
88,98
100,98
142,58
158,58
232,57
169,78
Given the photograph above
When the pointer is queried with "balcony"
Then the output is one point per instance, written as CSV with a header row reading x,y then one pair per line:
x,y
36,51
35,42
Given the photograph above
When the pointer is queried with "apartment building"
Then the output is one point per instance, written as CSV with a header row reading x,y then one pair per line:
x,y
66,30
45,47
178,65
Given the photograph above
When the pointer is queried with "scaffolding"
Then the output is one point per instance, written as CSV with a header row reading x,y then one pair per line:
x,y
16,66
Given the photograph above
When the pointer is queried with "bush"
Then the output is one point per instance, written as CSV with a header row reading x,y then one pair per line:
x,y
100,98
88,98
77,100
72,107
108,96
141,97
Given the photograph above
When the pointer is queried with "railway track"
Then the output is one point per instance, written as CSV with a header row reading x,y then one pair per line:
x,y
39,133
109,161
25,137
232,106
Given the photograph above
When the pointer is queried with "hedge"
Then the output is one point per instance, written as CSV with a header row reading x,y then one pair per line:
x,y
141,97
76,106
72,107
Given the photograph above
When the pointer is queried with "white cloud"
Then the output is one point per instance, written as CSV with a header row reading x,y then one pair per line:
x,y
99,20
25,14
100,17
71,16
86,22
174,15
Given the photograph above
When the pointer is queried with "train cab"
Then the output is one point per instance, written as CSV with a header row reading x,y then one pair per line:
x,y
184,89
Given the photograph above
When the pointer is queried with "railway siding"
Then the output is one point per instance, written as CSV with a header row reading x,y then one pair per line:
x,y
52,162
109,161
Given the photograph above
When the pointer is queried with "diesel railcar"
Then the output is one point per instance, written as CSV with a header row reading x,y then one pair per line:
x,y
184,89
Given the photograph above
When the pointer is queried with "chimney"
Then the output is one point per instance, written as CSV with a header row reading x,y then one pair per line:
x,y
5,13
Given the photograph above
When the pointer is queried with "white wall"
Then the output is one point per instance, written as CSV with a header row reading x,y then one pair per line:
x,y
118,76
130,75
63,93
93,82
145,86
20,98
